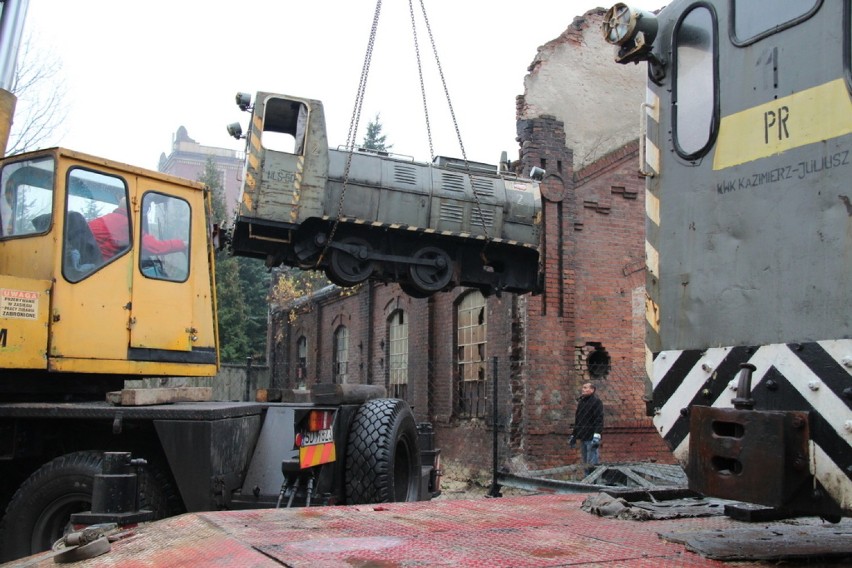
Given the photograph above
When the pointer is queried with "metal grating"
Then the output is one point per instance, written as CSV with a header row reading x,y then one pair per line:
x,y
482,186
452,182
451,213
479,215
404,173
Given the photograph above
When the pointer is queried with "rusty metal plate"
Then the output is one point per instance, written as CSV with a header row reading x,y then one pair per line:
x,y
734,454
534,531
807,541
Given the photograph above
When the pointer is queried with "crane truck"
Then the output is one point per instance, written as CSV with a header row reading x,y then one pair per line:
x,y
107,274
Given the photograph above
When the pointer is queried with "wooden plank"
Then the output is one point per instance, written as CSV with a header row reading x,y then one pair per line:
x,y
167,395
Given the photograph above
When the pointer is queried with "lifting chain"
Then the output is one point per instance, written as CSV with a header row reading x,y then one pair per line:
x,y
353,126
449,104
359,101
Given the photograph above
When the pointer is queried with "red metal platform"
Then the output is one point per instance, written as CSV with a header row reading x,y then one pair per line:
x,y
536,531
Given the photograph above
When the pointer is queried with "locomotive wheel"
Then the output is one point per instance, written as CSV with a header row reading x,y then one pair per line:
x,y
348,269
431,278
382,454
40,511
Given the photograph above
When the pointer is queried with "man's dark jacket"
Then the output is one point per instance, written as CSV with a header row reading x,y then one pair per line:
x,y
588,420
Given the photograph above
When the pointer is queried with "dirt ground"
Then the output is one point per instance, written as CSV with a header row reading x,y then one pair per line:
x,y
464,485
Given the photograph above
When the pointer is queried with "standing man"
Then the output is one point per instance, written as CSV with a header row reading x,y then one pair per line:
x,y
588,425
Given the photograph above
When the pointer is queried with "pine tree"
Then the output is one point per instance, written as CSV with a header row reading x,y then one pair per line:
x,y
242,287
374,139
234,343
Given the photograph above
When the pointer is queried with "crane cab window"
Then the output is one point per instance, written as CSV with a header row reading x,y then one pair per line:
x,y
26,204
97,225
284,125
696,89
755,20
165,237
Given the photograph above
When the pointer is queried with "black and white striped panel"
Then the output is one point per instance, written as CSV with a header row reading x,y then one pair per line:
x,y
814,377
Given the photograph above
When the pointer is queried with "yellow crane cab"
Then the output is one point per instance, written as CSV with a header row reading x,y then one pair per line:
x,y
105,269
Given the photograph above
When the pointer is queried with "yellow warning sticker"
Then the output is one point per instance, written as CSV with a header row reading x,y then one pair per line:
x,y
18,304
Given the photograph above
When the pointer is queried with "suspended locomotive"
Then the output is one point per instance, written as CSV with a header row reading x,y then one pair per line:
x,y
747,141
362,215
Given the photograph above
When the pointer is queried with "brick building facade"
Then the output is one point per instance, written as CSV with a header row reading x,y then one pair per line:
x,y
443,353
188,158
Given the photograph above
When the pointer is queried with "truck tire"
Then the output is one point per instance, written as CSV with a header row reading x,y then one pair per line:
x,y
382,454
39,511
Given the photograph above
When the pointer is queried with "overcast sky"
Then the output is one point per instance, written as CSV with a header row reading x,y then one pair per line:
x,y
136,71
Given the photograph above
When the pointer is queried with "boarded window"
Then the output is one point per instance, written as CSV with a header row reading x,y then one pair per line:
x,y
471,342
341,355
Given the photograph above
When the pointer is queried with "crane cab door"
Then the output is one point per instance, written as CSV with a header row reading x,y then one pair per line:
x,y
162,320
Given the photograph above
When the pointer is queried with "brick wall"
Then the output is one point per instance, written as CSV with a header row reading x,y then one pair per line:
x,y
593,302
589,322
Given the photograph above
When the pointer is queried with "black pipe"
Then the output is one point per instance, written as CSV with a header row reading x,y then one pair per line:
x,y
494,490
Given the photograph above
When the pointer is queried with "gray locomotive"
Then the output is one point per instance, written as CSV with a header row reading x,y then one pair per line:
x,y
746,145
362,215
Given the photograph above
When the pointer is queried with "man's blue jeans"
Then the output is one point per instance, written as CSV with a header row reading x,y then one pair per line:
x,y
591,455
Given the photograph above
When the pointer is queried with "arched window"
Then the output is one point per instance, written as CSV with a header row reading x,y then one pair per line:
x,y
471,347
398,354
341,355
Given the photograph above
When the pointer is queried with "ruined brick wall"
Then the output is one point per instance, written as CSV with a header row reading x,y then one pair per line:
x,y
574,78
589,323
609,346
611,287
551,315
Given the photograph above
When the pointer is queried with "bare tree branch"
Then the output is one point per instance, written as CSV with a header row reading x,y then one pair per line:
x,y
41,108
